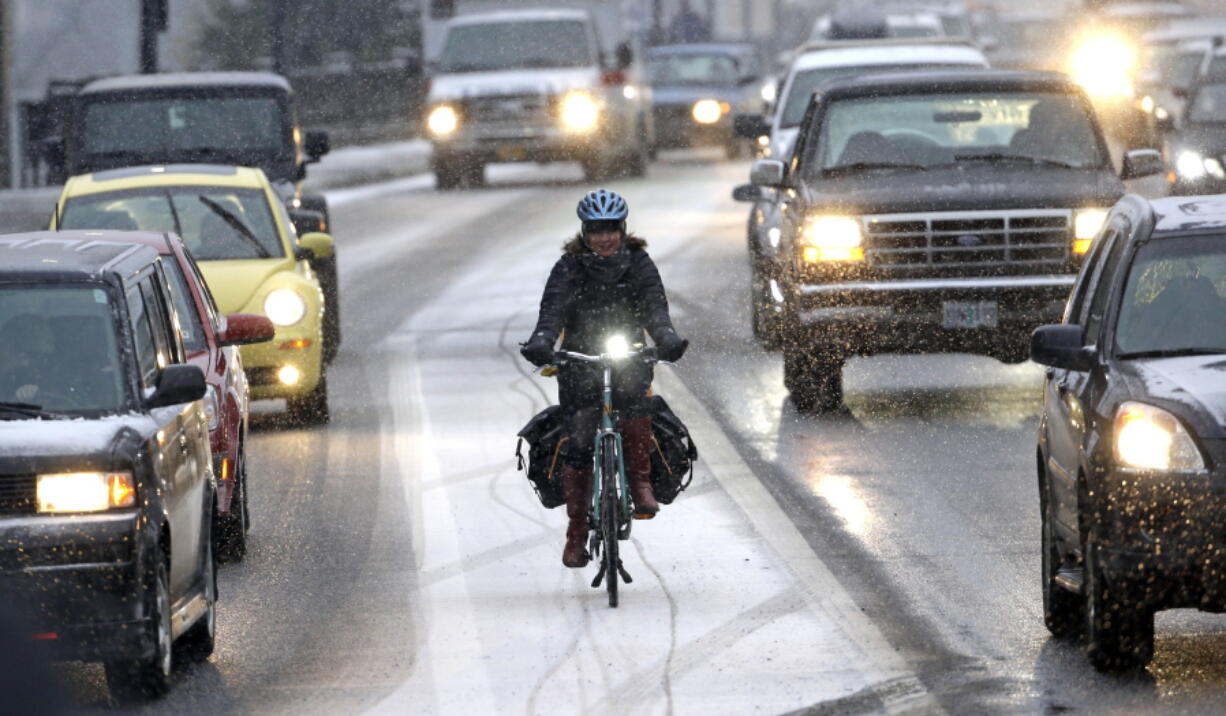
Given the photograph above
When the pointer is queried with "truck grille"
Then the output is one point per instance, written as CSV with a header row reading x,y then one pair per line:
x,y
516,110
1024,240
17,494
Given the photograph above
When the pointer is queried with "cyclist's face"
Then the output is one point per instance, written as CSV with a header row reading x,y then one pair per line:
x,y
605,243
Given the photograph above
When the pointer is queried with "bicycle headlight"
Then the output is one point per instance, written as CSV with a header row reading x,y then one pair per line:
x,y
1150,438
1086,225
580,112
85,492
284,307
616,347
443,121
832,238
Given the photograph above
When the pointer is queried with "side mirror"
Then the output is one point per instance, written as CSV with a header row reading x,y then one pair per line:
x,y
178,384
1061,346
1142,163
747,192
767,173
306,221
318,143
750,126
246,328
320,245
624,56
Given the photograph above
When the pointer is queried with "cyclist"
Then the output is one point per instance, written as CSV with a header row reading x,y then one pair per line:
x,y
605,284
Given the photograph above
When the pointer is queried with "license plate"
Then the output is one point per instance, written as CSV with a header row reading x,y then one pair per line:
x,y
511,154
969,314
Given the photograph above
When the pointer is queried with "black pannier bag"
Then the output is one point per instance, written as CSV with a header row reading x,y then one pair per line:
x,y
546,435
673,452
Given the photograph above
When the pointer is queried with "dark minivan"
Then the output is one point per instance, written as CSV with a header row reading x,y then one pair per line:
x,y
106,479
1132,440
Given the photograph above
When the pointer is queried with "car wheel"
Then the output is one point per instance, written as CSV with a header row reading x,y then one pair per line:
x,y
1062,610
815,383
312,408
447,175
134,680
325,269
472,174
232,527
1119,636
767,324
200,640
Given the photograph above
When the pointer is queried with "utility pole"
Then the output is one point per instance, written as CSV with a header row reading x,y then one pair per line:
x,y
7,150
153,20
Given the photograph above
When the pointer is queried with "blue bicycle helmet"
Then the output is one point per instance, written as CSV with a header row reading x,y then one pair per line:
x,y
603,205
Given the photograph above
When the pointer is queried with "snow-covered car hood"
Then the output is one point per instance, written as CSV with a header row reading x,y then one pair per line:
x,y
96,443
511,82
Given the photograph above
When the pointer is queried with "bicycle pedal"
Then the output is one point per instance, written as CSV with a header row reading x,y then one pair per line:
x,y
644,515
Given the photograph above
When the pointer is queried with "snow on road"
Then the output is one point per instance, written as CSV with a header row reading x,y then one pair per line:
x,y
730,611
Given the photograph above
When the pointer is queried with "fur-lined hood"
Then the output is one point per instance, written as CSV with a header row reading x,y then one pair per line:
x,y
576,246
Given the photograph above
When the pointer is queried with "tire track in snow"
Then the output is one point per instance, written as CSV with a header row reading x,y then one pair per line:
x,y
666,679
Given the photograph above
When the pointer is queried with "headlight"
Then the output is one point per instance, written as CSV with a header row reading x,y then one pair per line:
x,y
832,238
707,111
212,408
85,492
443,120
580,112
1103,66
1086,225
1150,438
1146,104
769,91
284,307
616,347
1190,165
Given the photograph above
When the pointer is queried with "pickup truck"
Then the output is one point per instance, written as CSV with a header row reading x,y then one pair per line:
x,y
935,211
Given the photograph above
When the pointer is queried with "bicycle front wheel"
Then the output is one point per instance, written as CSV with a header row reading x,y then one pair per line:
x,y
609,516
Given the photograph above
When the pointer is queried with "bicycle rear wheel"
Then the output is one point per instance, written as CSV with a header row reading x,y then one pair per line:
x,y
609,516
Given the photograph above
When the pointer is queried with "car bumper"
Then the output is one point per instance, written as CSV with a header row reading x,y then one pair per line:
x,y
264,361
75,584
545,144
675,128
911,315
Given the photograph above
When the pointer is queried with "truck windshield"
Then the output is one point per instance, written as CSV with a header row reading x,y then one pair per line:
x,y
694,69
931,130
179,126
1173,302
1209,105
487,47
806,81
216,223
61,352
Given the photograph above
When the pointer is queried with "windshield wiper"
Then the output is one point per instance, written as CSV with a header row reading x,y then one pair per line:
x,y
27,410
1014,158
1173,352
865,166
237,224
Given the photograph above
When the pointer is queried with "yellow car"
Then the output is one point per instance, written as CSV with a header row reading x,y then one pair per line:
x,y
240,234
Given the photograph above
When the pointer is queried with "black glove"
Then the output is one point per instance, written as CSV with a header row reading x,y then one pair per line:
x,y
671,347
538,351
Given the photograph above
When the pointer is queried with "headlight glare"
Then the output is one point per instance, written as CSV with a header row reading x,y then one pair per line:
x,y
832,238
580,112
1150,438
443,121
85,492
1190,165
1103,65
707,111
284,307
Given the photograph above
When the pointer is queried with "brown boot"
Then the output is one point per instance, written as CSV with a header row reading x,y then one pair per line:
x,y
577,487
636,439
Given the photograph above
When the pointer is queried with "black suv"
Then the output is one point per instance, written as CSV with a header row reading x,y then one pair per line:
x,y
106,482
1197,149
1132,441
933,211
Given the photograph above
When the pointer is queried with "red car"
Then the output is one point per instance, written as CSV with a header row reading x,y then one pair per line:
x,y
209,339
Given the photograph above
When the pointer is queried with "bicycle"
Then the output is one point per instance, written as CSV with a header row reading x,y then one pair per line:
x,y
611,515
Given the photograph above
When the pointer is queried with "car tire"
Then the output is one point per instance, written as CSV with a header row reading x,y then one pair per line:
x,y
198,642
447,175
814,383
472,174
312,408
232,527
329,282
144,679
1118,638
1063,611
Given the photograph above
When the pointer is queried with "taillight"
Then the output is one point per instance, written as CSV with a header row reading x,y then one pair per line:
x,y
613,78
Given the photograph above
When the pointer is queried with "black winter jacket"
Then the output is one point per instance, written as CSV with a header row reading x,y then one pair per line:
x,y
590,305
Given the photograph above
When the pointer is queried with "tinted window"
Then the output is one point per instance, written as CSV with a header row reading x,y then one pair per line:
x,y
215,223
1173,299
191,329
515,45
1074,311
804,83
60,348
953,129
1102,287
695,69
177,124
142,333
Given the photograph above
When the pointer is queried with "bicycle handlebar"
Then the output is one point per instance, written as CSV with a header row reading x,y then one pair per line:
x,y
646,354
